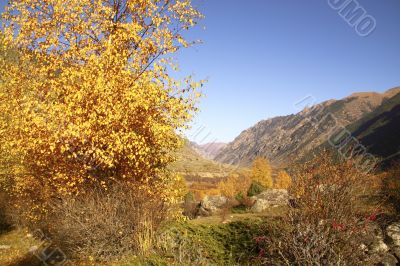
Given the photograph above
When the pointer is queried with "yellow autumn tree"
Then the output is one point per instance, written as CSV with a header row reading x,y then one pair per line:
x,y
235,184
283,180
90,99
262,172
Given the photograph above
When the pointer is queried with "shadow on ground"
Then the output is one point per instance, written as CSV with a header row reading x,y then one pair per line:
x,y
27,260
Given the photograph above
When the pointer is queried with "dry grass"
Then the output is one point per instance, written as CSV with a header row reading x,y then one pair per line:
x,y
19,244
107,224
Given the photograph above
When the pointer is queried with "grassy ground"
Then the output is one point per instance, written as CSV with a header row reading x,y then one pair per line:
x,y
207,241
18,253
214,241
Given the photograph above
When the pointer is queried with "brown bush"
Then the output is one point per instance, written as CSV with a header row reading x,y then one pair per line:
x,y
391,186
326,227
190,206
246,201
107,224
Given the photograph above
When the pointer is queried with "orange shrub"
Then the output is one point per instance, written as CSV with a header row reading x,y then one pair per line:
x,y
236,183
283,180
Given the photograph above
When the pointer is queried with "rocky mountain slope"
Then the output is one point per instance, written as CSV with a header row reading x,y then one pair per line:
x,y
208,150
191,164
288,138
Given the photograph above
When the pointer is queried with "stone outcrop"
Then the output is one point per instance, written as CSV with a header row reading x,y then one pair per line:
x,y
212,205
270,198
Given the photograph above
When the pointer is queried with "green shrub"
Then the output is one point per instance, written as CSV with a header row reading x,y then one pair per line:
x,y
244,203
189,197
216,244
255,189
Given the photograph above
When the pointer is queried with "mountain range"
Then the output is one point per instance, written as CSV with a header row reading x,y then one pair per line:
x,y
208,150
372,118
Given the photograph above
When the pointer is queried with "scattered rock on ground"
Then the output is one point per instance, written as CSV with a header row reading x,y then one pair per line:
x,y
384,243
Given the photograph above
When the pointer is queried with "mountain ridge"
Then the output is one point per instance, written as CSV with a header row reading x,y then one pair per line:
x,y
284,139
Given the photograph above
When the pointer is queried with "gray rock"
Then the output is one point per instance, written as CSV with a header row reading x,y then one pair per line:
x,y
260,205
278,197
203,212
393,232
4,247
396,251
270,198
212,205
379,247
364,247
388,260
373,236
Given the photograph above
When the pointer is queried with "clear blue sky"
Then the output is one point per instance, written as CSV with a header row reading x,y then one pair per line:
x,y
262,56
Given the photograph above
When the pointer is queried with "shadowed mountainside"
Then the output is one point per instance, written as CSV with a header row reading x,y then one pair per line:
x,y
379,131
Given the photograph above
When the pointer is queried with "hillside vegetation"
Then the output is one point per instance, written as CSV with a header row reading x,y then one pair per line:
x,y
191,164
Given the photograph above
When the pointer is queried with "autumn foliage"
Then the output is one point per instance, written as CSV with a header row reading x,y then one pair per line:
x,y
88,96
282,180
262,172
237,183
326,222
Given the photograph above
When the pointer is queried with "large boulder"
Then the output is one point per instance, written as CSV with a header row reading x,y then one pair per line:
x,y
377,243
374,239
270,198
379,247
393,232
388,260
212,205
260,205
